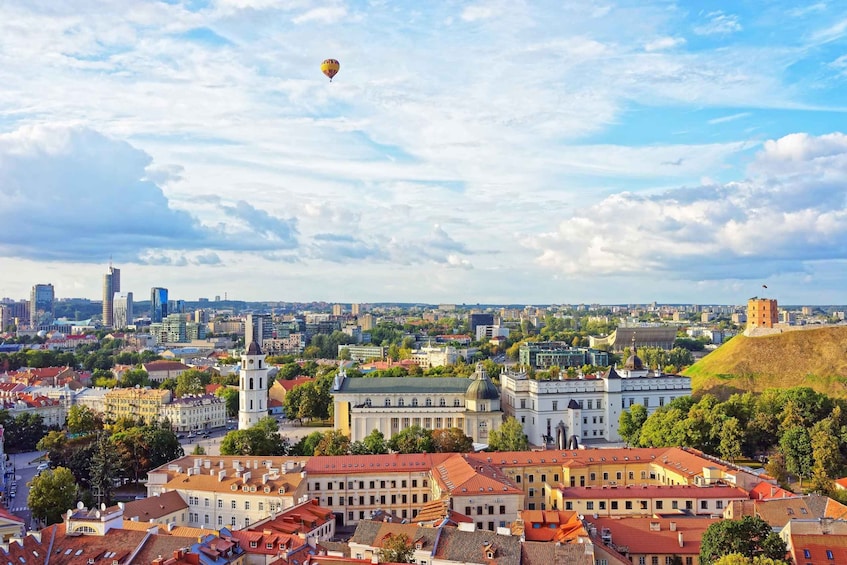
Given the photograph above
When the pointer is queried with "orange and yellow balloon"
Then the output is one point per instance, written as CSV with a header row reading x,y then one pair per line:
x,y
330,68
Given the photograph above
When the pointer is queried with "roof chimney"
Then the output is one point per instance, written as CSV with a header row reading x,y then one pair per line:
x,y
681,542
673,526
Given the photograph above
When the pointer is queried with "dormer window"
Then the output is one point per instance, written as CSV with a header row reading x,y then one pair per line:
x,y
489,554
368,402
388,402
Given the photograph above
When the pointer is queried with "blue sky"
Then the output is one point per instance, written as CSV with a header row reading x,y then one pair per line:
x,y
493,151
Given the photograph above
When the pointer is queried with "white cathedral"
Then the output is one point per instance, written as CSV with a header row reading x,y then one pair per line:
x,y
252,387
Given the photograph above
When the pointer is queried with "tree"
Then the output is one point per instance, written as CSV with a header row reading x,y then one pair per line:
x,y
190,382
198,450
510,437
749,537
133,378
738,559
333,442
732,436
306,446
230,396
796,445
83,420
105,467
51,494
630,423
373,444
775,467
396,548
452,440
413,439
261,439
344,354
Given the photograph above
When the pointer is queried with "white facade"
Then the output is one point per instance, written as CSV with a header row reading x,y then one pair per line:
x,y
428,357
195,412
544,406
252,388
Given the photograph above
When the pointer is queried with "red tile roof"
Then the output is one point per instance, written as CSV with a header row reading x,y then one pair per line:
x,y
460,476
164,366
639,538
766,491
559,457
551,525
813,548
394,462
289,384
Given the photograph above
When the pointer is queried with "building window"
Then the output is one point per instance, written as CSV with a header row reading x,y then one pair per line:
x,y
590,405
614,505
659,504
605,476
829,554
414,402
388,402
654,560
401,402
647,405
368,402
592,477
232,505
457,402
442,402
523,402
704,505
719,504
428,402
628,505
555,405
220,503
661,401
246,505
232,522
589,505
602,505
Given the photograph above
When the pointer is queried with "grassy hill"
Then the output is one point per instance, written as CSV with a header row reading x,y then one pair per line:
x,y
815,358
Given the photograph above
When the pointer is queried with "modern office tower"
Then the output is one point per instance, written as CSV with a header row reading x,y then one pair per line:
x,y
111,285
158,304
176,306
258,328
480,320
41,305
123,311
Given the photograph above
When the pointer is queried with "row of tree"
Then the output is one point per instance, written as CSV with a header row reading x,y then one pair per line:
x,y
803,432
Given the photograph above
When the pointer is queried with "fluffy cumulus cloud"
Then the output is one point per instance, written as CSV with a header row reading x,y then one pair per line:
x,y
73,194
791,211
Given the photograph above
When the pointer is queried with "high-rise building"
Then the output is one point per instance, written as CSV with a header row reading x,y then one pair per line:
x,y
14,314
366,321
111,285
354,309
762,313
123,311
258,328
41,305
337,309
480,320
176,306
158,304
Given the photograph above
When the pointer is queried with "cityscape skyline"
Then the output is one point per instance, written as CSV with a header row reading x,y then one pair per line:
x,y
470,152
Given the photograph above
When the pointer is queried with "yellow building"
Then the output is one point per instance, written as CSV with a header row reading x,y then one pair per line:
x,y
135,403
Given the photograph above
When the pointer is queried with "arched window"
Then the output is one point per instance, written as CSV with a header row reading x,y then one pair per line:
x,y
388,402
429,402
401,402
456,402
442,402
414,402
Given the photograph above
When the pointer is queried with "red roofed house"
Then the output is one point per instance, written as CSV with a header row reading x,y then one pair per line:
x,y
551,525
651,540
767,491
282,387
294,530
816,542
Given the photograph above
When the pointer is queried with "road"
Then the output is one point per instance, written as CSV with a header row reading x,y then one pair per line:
x,y
24,465
212,444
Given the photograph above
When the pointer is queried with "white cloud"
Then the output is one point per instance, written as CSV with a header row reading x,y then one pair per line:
x,y
325,14
479,12
792,212
729,118
718,23
664,43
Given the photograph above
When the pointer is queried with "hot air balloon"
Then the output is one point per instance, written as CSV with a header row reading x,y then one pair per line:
x,y
330,68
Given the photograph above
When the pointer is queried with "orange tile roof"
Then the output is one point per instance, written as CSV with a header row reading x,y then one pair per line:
x,y
559,457
460,476
639,538
390,463
550,525
289,384
155,507
842,482
812,548
766,491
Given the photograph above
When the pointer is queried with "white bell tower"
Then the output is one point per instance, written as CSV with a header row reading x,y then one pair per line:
x,y
252,387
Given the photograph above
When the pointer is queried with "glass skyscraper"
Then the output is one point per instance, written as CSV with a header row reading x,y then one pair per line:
x,y
158,304
41,305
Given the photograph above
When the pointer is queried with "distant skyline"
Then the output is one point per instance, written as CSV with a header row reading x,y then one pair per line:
x,y
491,152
